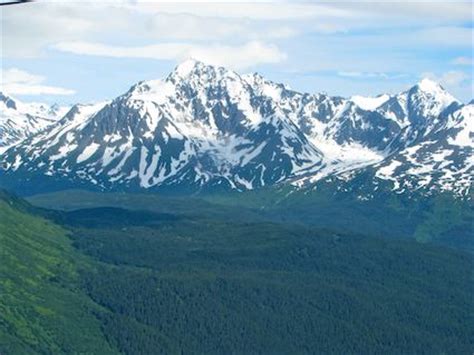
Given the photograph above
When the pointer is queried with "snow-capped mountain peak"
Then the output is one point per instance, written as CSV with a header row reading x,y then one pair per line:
x,y
189,66
205,127
419,107
430,98
431,86
195,72
19,120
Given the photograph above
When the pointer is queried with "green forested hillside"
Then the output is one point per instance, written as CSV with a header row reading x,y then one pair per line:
x,y
262,287
42,308
174,279
440,219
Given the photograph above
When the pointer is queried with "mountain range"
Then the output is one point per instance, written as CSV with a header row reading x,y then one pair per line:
x,y
19,120
206,128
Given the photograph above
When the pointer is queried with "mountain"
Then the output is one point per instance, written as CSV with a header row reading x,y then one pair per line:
x,y
19,120
438,157
441,161
432,152
205,128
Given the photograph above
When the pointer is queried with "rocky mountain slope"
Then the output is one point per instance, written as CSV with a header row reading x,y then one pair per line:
x,y
19,120
208,128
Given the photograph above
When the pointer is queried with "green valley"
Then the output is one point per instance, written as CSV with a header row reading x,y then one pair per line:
x,y
114,276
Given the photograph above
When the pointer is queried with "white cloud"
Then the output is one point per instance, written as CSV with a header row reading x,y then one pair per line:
x,y
184,26
425,11
450,79
358,74
19,82
237,57
368,37
248,10
14,75
55,22
462,61
370,75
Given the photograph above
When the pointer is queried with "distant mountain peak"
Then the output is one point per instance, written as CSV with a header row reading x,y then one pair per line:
x,y
19,120
9,102
435,90
187,67
429,85
193,68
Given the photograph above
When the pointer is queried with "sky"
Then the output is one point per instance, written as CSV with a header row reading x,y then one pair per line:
x,y
85,51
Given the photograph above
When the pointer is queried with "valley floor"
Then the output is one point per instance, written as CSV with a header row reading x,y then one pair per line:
x,y
175,278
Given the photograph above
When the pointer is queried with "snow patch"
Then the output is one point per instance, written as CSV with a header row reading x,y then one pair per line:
x,y
370,103
386,172
88,152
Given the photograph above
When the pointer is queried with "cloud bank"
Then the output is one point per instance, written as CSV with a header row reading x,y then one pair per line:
x,y
19,82
237,57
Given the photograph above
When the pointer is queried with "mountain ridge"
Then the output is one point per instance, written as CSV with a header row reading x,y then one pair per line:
x,y
19,120
206,128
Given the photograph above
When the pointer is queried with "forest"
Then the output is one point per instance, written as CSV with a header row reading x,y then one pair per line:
x,y
173,280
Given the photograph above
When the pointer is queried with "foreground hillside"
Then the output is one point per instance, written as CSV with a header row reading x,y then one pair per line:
x,y
174,279
42,308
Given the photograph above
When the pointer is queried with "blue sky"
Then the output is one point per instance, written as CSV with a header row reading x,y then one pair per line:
x,y
67,52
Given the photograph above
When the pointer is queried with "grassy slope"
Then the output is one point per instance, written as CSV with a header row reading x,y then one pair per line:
x,y
42,309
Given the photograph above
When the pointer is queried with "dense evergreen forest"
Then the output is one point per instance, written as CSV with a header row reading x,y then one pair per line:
x,y
193,279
